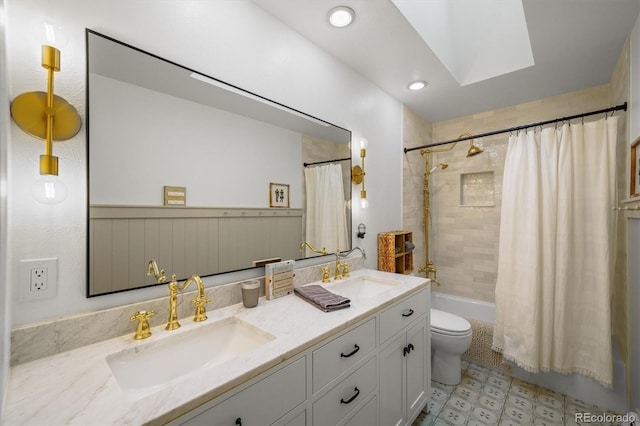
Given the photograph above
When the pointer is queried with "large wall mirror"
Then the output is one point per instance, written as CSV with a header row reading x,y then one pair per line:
x,y
199,175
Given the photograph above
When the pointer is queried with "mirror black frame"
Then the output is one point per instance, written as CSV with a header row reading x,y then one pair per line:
x,y
88,33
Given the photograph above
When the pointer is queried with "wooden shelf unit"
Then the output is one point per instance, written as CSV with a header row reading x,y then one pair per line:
x,y
392,253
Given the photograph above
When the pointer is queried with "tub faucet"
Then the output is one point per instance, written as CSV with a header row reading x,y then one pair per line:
x,y
199,301
429,269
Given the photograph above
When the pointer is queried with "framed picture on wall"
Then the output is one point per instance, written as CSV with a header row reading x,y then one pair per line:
x,y
278,195
634,187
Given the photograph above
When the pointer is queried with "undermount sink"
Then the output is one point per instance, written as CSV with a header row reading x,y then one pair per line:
x,y
154,364
362,287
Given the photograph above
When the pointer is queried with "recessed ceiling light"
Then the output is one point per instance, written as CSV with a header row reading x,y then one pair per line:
x,y
417,85
341,16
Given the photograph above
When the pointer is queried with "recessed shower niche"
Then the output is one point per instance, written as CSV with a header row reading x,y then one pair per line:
x,y
477,189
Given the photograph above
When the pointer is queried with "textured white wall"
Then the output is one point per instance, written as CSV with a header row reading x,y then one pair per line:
x,y
232,40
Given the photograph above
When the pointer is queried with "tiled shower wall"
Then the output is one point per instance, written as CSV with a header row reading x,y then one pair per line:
x,y
415,132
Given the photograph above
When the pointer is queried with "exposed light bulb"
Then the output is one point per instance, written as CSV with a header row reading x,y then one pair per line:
x,y
364,203
49,189
364,143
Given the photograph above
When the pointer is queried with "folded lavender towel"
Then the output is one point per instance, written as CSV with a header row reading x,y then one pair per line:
x,y
322,298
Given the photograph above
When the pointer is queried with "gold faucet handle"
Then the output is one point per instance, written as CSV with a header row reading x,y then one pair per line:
x,y
200,301
326,275
201,312
142,330
345,270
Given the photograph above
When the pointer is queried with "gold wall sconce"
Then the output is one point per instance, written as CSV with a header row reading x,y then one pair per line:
x,y
357,174
49,117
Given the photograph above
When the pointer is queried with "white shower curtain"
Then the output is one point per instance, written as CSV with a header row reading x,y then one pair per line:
x,y
326,224
556,250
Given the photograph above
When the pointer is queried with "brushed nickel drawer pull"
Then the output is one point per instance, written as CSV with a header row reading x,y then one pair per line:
x,y
353,352
350,400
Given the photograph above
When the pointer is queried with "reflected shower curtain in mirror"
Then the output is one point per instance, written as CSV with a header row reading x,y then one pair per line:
x,y
557,250
326,224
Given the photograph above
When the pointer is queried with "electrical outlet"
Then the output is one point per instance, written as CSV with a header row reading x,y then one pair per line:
x,y
38,279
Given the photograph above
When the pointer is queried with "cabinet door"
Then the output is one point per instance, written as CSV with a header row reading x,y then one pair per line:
x,y
392,382
418,368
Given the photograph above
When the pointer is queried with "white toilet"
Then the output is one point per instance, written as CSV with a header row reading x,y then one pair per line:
x,y
450,338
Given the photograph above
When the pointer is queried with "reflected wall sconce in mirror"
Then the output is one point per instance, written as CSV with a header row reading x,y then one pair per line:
x,y
49,117
357,174
362,229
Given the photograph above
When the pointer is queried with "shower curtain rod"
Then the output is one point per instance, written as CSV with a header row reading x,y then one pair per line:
x,y
622,107
328,161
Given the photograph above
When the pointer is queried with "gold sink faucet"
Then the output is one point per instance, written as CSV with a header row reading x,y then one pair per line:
x,y
174,288
338,274
345,266
199,301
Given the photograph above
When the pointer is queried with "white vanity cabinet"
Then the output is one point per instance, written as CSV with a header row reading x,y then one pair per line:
x,y
405,354
375,372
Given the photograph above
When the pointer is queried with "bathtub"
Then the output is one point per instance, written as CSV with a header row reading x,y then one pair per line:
x,y
574,385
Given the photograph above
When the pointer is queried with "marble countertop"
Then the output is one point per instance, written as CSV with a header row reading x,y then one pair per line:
x,y
78,387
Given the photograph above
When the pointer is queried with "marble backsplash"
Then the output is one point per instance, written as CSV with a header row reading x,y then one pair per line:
x,y
38,340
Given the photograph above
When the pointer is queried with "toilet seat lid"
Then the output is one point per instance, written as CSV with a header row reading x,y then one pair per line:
x,y
447,323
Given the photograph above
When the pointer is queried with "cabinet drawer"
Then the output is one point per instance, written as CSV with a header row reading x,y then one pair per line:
x,y
293,419
345,396
366,416
342,353
263,402
399,316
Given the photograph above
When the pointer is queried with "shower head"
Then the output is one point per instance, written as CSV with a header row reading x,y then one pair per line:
x,y
473,150
441,166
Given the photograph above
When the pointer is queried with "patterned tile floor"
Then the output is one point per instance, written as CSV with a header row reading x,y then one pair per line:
x,y
490,397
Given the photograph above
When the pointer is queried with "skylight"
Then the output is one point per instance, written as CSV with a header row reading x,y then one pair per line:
x,y
474,39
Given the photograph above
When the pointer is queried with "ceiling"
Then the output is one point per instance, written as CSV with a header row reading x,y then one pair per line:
x,y
575,45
